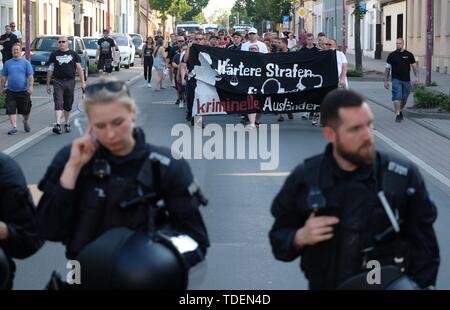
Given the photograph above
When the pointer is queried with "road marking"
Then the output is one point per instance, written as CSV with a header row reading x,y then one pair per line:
x,y
164,102
43,131
257,174
430,170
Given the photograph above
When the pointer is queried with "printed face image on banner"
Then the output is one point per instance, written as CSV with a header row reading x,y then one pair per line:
x,y
228,81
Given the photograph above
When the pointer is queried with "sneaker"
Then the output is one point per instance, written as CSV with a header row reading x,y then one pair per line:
x,y
181,105
398,118
149,85
280,118
67,128
177,102
26,126
401,115
13,131
57,129
290,116
315,121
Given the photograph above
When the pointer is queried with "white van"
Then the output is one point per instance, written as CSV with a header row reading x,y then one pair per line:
x,y
188,27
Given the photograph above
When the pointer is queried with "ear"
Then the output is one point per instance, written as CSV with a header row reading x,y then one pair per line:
x,y
329,134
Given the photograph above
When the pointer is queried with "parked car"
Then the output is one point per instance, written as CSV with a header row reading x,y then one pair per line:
x,y
138,43
91,46
43,46
126,48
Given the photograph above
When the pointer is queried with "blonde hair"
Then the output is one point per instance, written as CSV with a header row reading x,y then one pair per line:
x,y
105,96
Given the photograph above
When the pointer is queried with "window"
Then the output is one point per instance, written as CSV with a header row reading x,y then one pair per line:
x,y
437,18
399,26
45,18
58,22
388,28
448,14
420,11
79,46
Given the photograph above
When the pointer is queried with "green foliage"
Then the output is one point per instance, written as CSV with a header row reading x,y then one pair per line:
x,y
354,73
200,18
2,101
197,7
179,8
425,99
92,69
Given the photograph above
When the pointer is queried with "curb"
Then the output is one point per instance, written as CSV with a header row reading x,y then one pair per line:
x,y
416,120
437,115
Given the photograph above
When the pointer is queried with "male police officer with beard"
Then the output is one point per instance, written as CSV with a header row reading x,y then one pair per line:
x,y
329,211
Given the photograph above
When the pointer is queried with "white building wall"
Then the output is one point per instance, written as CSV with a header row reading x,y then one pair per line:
x,y
367,26
317,18
393,10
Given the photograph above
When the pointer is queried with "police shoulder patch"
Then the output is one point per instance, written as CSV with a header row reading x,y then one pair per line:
x,y
160,157
397,168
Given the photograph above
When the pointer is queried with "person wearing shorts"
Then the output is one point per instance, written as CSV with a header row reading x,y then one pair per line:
x,y
18,74
105,53
400,62
64,62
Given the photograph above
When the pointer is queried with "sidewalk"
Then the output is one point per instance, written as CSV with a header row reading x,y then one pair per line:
x,y
42,114
375,92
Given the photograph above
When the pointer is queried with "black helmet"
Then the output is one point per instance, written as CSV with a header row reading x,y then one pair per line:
x,y
5,270
124,259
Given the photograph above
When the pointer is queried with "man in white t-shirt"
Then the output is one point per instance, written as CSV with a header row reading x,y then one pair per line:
x,y
253,39
341,64
16,32
254,118
292,42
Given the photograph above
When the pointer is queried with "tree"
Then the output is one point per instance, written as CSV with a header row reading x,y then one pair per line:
x,y
238,13
197,7
179,8
358,54
200,18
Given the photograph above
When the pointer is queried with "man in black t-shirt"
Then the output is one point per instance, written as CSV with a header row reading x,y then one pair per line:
x,y
63,64
309,46
400,61
8,39
105,53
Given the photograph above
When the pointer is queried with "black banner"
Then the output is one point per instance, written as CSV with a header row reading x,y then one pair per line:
x,y
225,81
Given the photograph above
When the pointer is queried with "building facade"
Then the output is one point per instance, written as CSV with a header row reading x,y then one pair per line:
x,y
416,33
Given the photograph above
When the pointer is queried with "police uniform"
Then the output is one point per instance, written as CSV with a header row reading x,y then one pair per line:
x,y
17,211
364,231
77,217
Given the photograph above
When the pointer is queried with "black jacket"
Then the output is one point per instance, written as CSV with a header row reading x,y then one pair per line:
x,y
17,211
352,198
77,217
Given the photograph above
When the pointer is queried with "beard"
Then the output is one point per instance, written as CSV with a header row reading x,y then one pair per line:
x,y
358,158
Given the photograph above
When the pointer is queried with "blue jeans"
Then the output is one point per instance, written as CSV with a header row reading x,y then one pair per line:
x,y
400,90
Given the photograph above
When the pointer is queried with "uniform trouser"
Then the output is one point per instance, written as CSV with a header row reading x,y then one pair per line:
x,y
148,66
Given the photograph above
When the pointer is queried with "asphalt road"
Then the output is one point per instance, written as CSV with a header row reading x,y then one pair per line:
x,y
238,215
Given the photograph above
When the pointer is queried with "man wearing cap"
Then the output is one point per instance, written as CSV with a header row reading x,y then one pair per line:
x,y
237,41
253,39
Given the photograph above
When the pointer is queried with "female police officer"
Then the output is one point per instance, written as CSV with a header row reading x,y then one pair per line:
x,y
90,185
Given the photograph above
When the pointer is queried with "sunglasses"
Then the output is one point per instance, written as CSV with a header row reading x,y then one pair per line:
x,y
181,41
113,86
252,33
62,42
